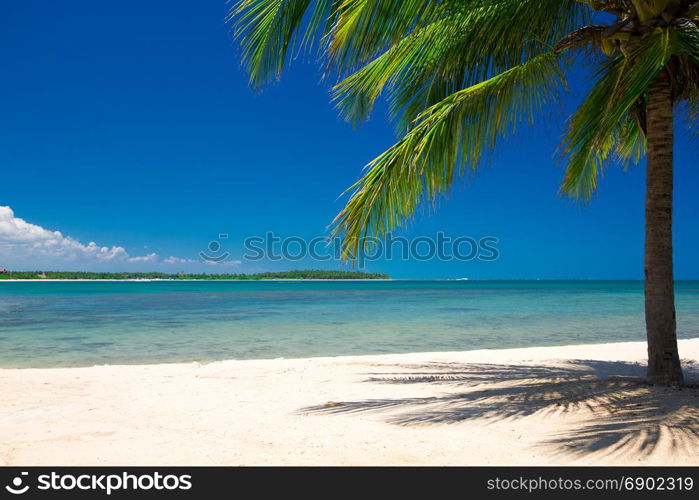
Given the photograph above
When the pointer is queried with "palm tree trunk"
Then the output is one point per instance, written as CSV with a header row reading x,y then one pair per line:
x,y
663,358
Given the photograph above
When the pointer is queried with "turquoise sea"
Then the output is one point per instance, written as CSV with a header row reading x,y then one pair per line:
x,y
46,324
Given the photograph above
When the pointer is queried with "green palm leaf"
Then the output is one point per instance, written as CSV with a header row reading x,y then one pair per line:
x,y
268,29
594,130
456,133
459,49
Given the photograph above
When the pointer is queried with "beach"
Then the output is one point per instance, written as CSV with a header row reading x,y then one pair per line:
x,y
563,405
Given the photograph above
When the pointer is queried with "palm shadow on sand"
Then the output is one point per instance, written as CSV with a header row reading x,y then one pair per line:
x,y
625,415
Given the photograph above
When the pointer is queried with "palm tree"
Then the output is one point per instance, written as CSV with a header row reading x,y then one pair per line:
x,y
459,75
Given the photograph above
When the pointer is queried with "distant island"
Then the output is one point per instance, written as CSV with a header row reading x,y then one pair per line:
x,y
283,275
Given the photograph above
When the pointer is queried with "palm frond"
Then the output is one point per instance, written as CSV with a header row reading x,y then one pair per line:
x,y
629,141
687,71
269,29
692,113
582,38
456,133
692,12
459,49
593,130
687,33
364,28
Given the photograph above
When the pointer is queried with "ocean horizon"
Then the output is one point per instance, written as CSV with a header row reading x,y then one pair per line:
x,y
67,323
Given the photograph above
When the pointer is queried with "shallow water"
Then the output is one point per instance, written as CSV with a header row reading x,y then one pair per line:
x,y
44,324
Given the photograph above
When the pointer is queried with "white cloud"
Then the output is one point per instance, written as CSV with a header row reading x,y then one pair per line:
x,y
231,263
177,260
19,237
28,246
151,257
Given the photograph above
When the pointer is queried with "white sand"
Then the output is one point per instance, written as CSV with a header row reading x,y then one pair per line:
x,y
506,407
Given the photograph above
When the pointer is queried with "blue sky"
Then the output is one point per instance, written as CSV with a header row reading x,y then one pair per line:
x,y
131,125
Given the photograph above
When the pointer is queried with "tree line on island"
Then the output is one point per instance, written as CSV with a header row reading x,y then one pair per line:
x,y
287,275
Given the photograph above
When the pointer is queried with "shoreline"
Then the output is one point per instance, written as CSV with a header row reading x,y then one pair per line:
x,y
533,352
562,405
